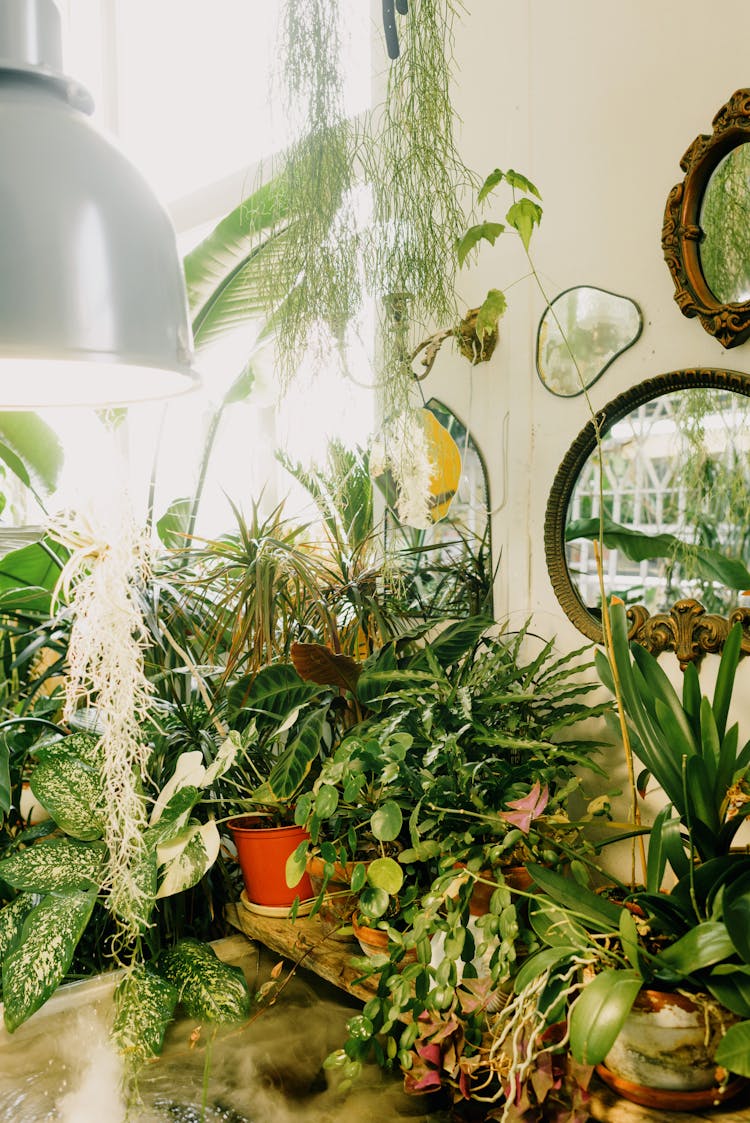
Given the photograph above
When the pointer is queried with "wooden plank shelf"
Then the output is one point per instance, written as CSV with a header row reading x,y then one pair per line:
x,y
305,942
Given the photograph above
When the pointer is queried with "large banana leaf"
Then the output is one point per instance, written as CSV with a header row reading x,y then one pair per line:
x,y
224,274
31,449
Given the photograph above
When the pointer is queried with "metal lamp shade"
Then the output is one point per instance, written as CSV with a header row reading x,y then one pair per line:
x,y
92,296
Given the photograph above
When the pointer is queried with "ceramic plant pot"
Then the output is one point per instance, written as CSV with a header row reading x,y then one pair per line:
x,y
374,941
516,877
262,852
667,1044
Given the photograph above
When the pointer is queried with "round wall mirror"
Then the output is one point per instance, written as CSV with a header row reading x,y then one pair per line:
x,y
706,236
581,333
671,479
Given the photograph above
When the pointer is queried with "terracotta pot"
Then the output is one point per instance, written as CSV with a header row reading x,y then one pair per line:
x,y
664,1045
262,852
516,877
374,941
339,902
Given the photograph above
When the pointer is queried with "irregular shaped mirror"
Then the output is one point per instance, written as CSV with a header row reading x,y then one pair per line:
x,y
581,334
449,564
705,234
672,477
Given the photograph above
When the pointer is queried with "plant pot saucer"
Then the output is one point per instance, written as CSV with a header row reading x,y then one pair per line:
x,y
274,911
667,1099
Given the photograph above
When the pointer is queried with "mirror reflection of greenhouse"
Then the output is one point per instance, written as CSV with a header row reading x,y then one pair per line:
x,y
677,467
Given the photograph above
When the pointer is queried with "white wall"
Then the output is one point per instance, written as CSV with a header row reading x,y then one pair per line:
x,y
596,102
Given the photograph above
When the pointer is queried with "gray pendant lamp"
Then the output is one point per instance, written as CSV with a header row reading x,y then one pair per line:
x,y
92,296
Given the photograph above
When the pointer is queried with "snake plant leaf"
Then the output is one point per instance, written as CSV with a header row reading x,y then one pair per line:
x,y
209,989
144,1005
293,765
598,1014
60,864
12,917
730,657
737,914
187,858
40,960
733,1052
72,792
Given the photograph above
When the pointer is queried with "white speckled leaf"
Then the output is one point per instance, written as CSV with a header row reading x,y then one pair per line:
x,y
71,791
59,864
144,1004
188,857
34,970
209,989
11,921
83,746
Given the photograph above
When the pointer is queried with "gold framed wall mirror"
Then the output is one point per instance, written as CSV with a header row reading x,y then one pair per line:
x,y
673,473
706,235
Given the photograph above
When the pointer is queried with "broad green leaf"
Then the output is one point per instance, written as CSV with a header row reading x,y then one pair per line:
x,y
702,808
31,449
598,1014
57,865
27,579
705,944
229,749
491,309
638,546
629,939
491,182
554,926
483,231
731,987
40,960
533,967
144,1005
314,662
582,904
172,527
209,989
5,792
385,873
523,216
386,822
77,746
454,641
174,817
294,763
326,801
276,691
733,1052
72,792
143,873
737,914
187,858
657,850
709,743
189,772
242,386
12,917
515,179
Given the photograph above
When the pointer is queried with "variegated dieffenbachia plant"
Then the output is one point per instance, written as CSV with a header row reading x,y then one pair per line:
x,y
59,877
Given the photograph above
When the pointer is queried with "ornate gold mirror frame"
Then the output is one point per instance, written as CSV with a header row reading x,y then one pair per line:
x,y
682,232
686,628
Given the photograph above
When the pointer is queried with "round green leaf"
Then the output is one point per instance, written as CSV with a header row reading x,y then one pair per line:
x,y
360,1028
733,1053
295,865
385,873
373,903
358,878
386,821
326,801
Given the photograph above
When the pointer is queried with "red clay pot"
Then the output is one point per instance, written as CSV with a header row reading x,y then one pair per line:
x,y
262,852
